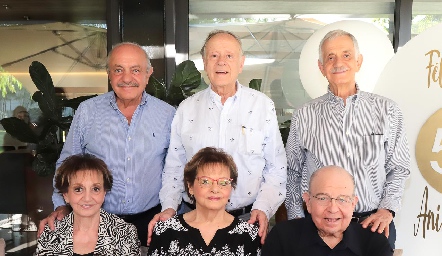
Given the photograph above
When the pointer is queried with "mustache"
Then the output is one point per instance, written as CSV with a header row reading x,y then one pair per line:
x,y
338,69
130,84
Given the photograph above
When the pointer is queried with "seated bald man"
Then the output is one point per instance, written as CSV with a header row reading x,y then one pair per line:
x,y
328,229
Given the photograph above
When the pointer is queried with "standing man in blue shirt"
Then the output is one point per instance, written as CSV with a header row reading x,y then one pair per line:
x,y
130,131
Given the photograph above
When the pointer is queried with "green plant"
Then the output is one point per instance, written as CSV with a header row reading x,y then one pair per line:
x,y
47,140
185,79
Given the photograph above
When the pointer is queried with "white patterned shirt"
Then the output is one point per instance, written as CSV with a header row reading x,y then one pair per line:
x,y
245,127
366,136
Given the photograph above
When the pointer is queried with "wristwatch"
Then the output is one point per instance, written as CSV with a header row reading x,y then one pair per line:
x,y
392,212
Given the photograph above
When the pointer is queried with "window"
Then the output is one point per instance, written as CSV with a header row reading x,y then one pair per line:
x,y
273,34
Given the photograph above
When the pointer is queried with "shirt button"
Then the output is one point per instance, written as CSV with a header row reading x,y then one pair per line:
x,y
129,138
128,180
128,159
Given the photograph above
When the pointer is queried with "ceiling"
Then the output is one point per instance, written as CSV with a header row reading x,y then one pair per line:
x,y
76,11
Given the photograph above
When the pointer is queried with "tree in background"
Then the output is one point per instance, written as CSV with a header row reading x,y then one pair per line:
x,y
420,23
8,83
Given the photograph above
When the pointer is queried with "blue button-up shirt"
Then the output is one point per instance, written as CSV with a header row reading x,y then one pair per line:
x,y
134,153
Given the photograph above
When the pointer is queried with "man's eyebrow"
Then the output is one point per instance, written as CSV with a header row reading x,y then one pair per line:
x,y
321,194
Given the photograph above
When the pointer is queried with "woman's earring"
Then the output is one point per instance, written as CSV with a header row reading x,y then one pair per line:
x,y
192,197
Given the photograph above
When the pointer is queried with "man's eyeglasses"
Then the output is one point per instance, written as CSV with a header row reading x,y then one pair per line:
x,y
207,181
326,200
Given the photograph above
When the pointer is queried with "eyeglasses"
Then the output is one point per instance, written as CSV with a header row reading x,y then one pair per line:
x,y
326,200
208,182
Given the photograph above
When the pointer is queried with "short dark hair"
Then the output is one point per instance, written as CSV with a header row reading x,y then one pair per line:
x,y
81,162
205,157
216,32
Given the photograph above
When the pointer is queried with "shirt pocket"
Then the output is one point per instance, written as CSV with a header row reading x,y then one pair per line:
x,y
252,141
157,141
373,150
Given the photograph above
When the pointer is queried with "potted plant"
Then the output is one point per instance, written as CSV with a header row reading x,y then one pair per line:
x,y
49,143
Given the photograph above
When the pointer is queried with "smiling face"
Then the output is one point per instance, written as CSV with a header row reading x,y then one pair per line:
x,y
223,60
331,219
340,63
211,197
128,74
86,193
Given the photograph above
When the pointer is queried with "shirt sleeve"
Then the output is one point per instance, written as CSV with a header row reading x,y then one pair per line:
x,y
158,242
397,162
272,245
173,173
72,146
45,243
295,160
133,241
273,188
379,245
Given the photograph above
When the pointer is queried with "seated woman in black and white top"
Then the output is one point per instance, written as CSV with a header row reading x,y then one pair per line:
x,y
84,180
209,178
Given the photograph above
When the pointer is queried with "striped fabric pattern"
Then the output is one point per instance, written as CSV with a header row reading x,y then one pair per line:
x,y
365,136
134,153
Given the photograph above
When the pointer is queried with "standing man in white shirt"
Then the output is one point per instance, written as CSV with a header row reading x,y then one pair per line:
x,y
240,120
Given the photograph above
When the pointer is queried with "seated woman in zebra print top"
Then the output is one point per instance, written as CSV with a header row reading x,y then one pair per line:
x,y
84,180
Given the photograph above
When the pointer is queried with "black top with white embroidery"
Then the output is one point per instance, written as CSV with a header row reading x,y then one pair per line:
x,y
176,237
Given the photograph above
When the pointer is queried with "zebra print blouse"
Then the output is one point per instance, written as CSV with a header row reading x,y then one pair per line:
x,y
115,237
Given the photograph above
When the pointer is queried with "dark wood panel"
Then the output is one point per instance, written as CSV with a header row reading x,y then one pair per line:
x,y
52,10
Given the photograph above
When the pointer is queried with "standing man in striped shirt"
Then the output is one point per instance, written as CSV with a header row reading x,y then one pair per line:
x,y
361,132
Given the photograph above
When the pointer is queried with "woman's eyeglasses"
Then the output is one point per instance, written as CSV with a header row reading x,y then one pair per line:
x,y
208,182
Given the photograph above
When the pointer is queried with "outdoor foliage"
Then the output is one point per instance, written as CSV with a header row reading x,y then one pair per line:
x,y
48,142
185,79
8,83
184,82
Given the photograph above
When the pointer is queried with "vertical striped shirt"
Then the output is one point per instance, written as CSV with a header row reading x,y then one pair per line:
x,y
365,136
134,153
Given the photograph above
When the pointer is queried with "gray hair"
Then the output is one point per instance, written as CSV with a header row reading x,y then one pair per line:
x,y
330,167
337,33
127,43
216,32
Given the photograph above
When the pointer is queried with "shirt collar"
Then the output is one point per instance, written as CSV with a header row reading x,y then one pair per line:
x,y
216,98
310,234
336,99
113,99
350,239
